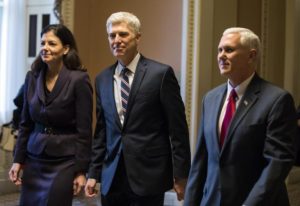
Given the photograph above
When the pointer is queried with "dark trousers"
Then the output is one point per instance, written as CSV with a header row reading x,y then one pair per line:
x,y
121,194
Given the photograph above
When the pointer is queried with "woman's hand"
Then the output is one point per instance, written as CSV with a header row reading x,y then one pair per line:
x,y
78,183
14,173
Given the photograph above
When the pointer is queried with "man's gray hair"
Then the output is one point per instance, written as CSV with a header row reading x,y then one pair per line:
x,y
130,19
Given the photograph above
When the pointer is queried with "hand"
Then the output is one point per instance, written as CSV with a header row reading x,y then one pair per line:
x,y
78,183
14,173
179,187
90,186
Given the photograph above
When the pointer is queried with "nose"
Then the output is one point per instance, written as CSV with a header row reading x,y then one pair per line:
x,y
221,55
117,38
44,47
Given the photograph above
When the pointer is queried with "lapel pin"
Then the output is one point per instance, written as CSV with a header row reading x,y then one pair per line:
x,y
245,103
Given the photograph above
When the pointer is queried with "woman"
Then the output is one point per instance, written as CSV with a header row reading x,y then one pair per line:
x,y
53,147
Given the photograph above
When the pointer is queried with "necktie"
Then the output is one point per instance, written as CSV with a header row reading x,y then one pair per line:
x,y
125,89
230,109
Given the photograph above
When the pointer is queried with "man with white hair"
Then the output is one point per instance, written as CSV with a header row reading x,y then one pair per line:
x,y
245,145
141,144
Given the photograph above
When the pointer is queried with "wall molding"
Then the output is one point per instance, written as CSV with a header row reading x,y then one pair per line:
x,y
264,36
68,7
197,55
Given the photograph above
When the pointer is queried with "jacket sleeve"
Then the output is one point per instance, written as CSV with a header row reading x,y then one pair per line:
x,y
278,150
26,124
198,172
99,141
84,110
175,113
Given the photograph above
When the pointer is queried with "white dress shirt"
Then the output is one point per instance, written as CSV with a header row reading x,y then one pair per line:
x,y
117,82
240,91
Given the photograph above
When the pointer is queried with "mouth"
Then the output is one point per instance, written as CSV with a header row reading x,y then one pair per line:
x,y
44,54
223,64
118,48
118,51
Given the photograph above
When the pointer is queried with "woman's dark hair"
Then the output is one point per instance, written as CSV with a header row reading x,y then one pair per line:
x,y
71,59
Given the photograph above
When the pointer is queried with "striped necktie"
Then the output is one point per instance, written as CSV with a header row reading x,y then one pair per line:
x,y
125,89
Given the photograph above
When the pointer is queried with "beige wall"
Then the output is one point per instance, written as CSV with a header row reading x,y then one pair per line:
x,y
161,30
232,13
162,38
275,22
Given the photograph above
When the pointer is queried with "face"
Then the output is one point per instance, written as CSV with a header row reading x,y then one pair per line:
x,y
235,60
123,42
52,49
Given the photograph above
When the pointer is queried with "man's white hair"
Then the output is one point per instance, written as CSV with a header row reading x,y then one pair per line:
x,y
130,19
248,38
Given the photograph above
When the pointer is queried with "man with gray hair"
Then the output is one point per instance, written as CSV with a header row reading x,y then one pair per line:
x,y
141,144
245,145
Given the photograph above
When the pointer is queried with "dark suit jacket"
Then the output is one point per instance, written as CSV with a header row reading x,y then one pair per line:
x,y
68,108
257,154
154,131
297,161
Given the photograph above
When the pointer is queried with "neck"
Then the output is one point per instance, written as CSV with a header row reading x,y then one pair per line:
x,y
235,82
125,61
54,69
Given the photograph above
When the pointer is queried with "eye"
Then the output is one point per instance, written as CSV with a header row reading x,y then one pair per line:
x,y
123,34
112,36
51,43
229,49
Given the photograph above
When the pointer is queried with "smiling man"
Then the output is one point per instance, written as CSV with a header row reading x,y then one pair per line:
x,y
141,144
245,145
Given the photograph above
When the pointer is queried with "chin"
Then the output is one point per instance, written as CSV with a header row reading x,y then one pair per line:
x,y
224,70
119,54
46,61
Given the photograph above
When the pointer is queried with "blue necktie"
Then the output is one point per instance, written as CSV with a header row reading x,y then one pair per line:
x,y
125,89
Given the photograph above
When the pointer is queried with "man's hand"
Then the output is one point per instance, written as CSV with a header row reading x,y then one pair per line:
x,y
179,187
90,188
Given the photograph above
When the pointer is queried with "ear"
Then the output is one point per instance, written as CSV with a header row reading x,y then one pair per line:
x,y
138,36
66,49
252,55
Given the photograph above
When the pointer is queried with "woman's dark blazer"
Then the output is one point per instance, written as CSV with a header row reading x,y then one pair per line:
x,y
66,110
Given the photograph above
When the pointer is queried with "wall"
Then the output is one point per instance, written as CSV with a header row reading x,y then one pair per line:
x,y
232,13
161,30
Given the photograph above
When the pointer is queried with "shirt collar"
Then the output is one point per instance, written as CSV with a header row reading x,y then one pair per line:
x,y
131,66
241,88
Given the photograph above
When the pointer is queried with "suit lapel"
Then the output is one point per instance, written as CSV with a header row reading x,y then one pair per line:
x,y
41,86
138,78
215,113
248,100
62,80
109,93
